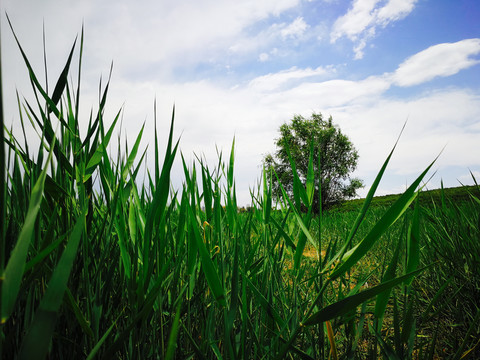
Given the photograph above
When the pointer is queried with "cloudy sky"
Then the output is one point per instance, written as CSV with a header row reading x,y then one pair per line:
x,y
241,68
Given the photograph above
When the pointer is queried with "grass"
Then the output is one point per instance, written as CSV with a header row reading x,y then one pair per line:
x,y
459,194
100,265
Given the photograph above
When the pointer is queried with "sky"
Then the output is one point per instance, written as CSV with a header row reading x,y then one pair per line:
x,y
238,69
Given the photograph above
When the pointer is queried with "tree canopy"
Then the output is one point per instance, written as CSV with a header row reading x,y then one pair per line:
x,y
338,158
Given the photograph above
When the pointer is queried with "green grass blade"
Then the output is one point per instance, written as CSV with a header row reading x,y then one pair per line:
x,y
172,339
310,184
100,151
230,166
78,313
365,206
207,193
413,244
51,105
382,298
387,349
302,240
133,154
349,303
282,232
14,270
472,328
389,218
267,197
63,79
36,342
264,303
121,228
437,297
44,253
159,201
99,344
208,267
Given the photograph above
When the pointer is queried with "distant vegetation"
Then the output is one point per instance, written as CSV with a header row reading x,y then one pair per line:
x,y
427,198
99,266
302,136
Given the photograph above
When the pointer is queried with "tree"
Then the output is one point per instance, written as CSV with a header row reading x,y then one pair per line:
x,y
337,153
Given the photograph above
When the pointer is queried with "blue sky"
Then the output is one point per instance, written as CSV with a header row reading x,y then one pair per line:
x,y
242,68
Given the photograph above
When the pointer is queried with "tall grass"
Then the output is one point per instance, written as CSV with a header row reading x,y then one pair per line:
x,y
98,266
452,235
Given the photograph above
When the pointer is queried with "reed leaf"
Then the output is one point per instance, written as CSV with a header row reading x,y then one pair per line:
x,y
349,303
15,268
208,267
36,342
391,216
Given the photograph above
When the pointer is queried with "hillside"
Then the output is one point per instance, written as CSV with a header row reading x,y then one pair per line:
x,y
454,194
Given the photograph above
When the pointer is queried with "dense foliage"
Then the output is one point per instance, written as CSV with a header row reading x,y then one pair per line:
x,y
333,153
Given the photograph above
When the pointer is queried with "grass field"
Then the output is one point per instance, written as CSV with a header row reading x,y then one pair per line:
x,y
99,265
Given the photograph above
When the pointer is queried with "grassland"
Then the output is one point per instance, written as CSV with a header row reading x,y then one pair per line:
x,y
98,265
428,198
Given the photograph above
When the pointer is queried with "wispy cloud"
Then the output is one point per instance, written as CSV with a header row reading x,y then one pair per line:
x,y
277,34
295,29
437,61
182,34
360,23
274,81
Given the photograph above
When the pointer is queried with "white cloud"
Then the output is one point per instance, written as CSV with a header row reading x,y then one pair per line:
x,y
276,32
328,94
395,10
274,81
171,32
295,29
355,21
437,61
359,24
263,57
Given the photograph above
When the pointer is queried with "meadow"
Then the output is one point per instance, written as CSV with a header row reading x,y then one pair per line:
x,y
99,265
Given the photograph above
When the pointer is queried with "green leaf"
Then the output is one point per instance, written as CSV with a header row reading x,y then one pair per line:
x,y
267,198
413,244
12,276
36,342
349,303
78,314
389,218
100,151
365,206
286,237
208,267
172,339
98,345
382,298
310,184
386,348
230,166
133,154
121,228
264,303
63,79
302,240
